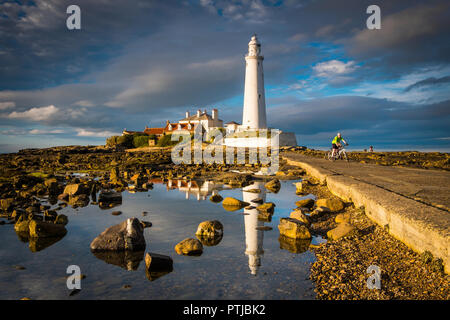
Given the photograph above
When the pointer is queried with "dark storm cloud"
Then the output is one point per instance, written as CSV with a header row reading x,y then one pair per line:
x,y
137,63
362,119
428,82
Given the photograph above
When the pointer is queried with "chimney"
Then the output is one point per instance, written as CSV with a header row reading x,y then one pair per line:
x,y
215,114
187,114
199,112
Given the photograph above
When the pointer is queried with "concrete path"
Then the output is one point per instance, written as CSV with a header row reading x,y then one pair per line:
x,y
413,203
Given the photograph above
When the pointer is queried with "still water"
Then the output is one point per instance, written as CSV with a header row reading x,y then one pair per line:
x,y
248,263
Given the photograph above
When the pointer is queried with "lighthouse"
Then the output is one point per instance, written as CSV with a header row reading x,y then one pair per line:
x,y
254,115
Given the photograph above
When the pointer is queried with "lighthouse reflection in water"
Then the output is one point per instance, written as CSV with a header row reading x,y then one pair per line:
x,y
253,236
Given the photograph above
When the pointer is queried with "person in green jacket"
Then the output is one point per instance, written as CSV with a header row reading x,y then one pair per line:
x,y
336,143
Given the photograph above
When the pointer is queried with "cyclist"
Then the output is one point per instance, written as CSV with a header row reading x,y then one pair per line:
x,y
336,143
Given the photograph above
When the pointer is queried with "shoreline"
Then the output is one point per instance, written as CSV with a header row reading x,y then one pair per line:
x,y
340,269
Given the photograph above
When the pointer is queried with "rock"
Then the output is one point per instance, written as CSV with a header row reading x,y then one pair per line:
x,y
52,186
63,197
293,228
61,219
264,216
209,229
157,265
342,217
300,186
232,204
426,257
257,200
40,229
110,197
319,212
146,224
216,198
264,228
300,216
76,189
342,230
189,247
125,236
256,190
80,200
6,204
334,205
268,207
305,203
22,225
273,185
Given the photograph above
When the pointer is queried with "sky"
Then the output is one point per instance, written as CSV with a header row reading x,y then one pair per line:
x,y
139,63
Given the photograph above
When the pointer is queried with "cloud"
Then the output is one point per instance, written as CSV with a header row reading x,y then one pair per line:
x,y
92,133
334,67
35,114
45,132
7,105
428,82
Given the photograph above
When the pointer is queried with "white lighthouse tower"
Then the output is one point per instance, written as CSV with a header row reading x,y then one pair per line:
x,y
254,115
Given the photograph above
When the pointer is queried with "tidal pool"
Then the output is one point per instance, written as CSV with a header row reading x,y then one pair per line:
x,y
248,263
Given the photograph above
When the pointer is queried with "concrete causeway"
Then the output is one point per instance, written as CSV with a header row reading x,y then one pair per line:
x,y
412,203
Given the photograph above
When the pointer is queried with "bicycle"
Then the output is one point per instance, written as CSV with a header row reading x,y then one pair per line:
x,y
340,154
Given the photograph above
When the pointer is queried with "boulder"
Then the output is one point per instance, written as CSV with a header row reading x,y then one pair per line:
x,y
343,229
22,225
125,236
76,189
334,205
305,203
61,219
319,212
232,204
256,190
257,200
41,229
6,204
268,207
63,197
189,247
157,265
300,216
80,200
110,197
293,228
342,217
216,198
209,229
273,185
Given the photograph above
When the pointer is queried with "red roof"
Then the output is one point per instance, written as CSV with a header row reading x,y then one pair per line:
x,y
154,131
